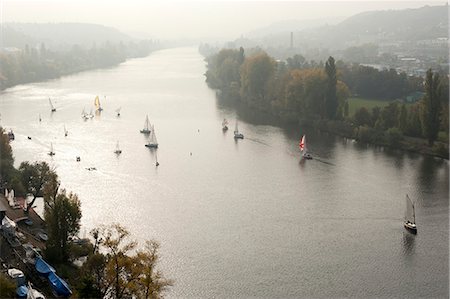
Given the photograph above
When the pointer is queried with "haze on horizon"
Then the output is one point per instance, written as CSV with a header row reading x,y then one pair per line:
x,y
188,19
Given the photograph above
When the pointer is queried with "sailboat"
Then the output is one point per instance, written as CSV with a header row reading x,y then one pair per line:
x,y
156,158
153,143
65,131
51,152
146,129
237,135
98,107
118,111
118,150
302,146
40,119
51,105
225,124
410,216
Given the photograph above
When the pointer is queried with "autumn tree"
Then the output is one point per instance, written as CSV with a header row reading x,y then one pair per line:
x,y
115,272
430,107
151,282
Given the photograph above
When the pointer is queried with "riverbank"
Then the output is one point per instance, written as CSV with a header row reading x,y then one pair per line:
x,y
363,134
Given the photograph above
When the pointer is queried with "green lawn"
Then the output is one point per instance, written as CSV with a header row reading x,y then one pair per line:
x,y
355,103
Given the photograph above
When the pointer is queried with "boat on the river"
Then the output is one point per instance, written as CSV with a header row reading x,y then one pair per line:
x,y
237,134
118,111
156,158
153,143
51,152
410,216
303,148
98,107
225,124
51,105
65,131
118,151
146,129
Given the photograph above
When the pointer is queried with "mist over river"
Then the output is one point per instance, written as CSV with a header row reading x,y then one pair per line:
x,y
236,219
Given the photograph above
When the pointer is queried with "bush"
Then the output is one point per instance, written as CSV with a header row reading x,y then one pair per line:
x,y
441,149
369,135
7,287
394,136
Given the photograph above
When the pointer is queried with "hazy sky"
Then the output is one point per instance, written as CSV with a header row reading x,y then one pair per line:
x,y
187,19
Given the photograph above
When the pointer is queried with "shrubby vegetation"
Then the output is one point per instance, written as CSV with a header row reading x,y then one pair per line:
x,y
299,91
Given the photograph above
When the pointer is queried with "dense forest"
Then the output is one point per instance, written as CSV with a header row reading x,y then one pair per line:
x,y
35,52
32,64
317,94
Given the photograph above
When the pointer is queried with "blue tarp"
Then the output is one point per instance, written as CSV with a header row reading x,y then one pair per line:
x,y
42,267
59,285
22,291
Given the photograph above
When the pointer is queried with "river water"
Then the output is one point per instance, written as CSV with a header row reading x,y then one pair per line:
x,y
236,219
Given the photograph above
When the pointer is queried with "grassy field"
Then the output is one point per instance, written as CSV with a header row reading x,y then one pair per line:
x,y
355,103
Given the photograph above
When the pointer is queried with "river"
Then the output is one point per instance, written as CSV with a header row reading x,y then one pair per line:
x,y
236,219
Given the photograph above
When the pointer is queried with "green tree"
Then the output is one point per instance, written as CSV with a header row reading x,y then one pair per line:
x,y
62,214
430,107
362,117
403,119
256,74
6,157
331,100
34,178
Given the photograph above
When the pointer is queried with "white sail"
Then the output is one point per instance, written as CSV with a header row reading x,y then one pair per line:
x,y
153,139
236,129
65,131
6,192
410,214
118,110
51,104
225,122
146,124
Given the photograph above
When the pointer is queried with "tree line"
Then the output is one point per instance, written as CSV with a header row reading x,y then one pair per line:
x,y
32,64
115,267
296,90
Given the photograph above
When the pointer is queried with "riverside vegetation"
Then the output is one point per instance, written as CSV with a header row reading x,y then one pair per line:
x,y
317,94
114,268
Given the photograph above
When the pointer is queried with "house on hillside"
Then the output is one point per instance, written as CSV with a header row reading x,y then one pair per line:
x,y
414,97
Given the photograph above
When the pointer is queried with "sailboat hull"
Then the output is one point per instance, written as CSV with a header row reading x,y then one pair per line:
x,y
411,227
151,145
145,131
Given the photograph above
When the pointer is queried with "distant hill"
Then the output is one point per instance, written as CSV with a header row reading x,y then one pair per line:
x,y
423,23
292,25
60,35
428,22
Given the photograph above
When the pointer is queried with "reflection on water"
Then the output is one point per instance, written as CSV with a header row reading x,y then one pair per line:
x,y
236,218
408,243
